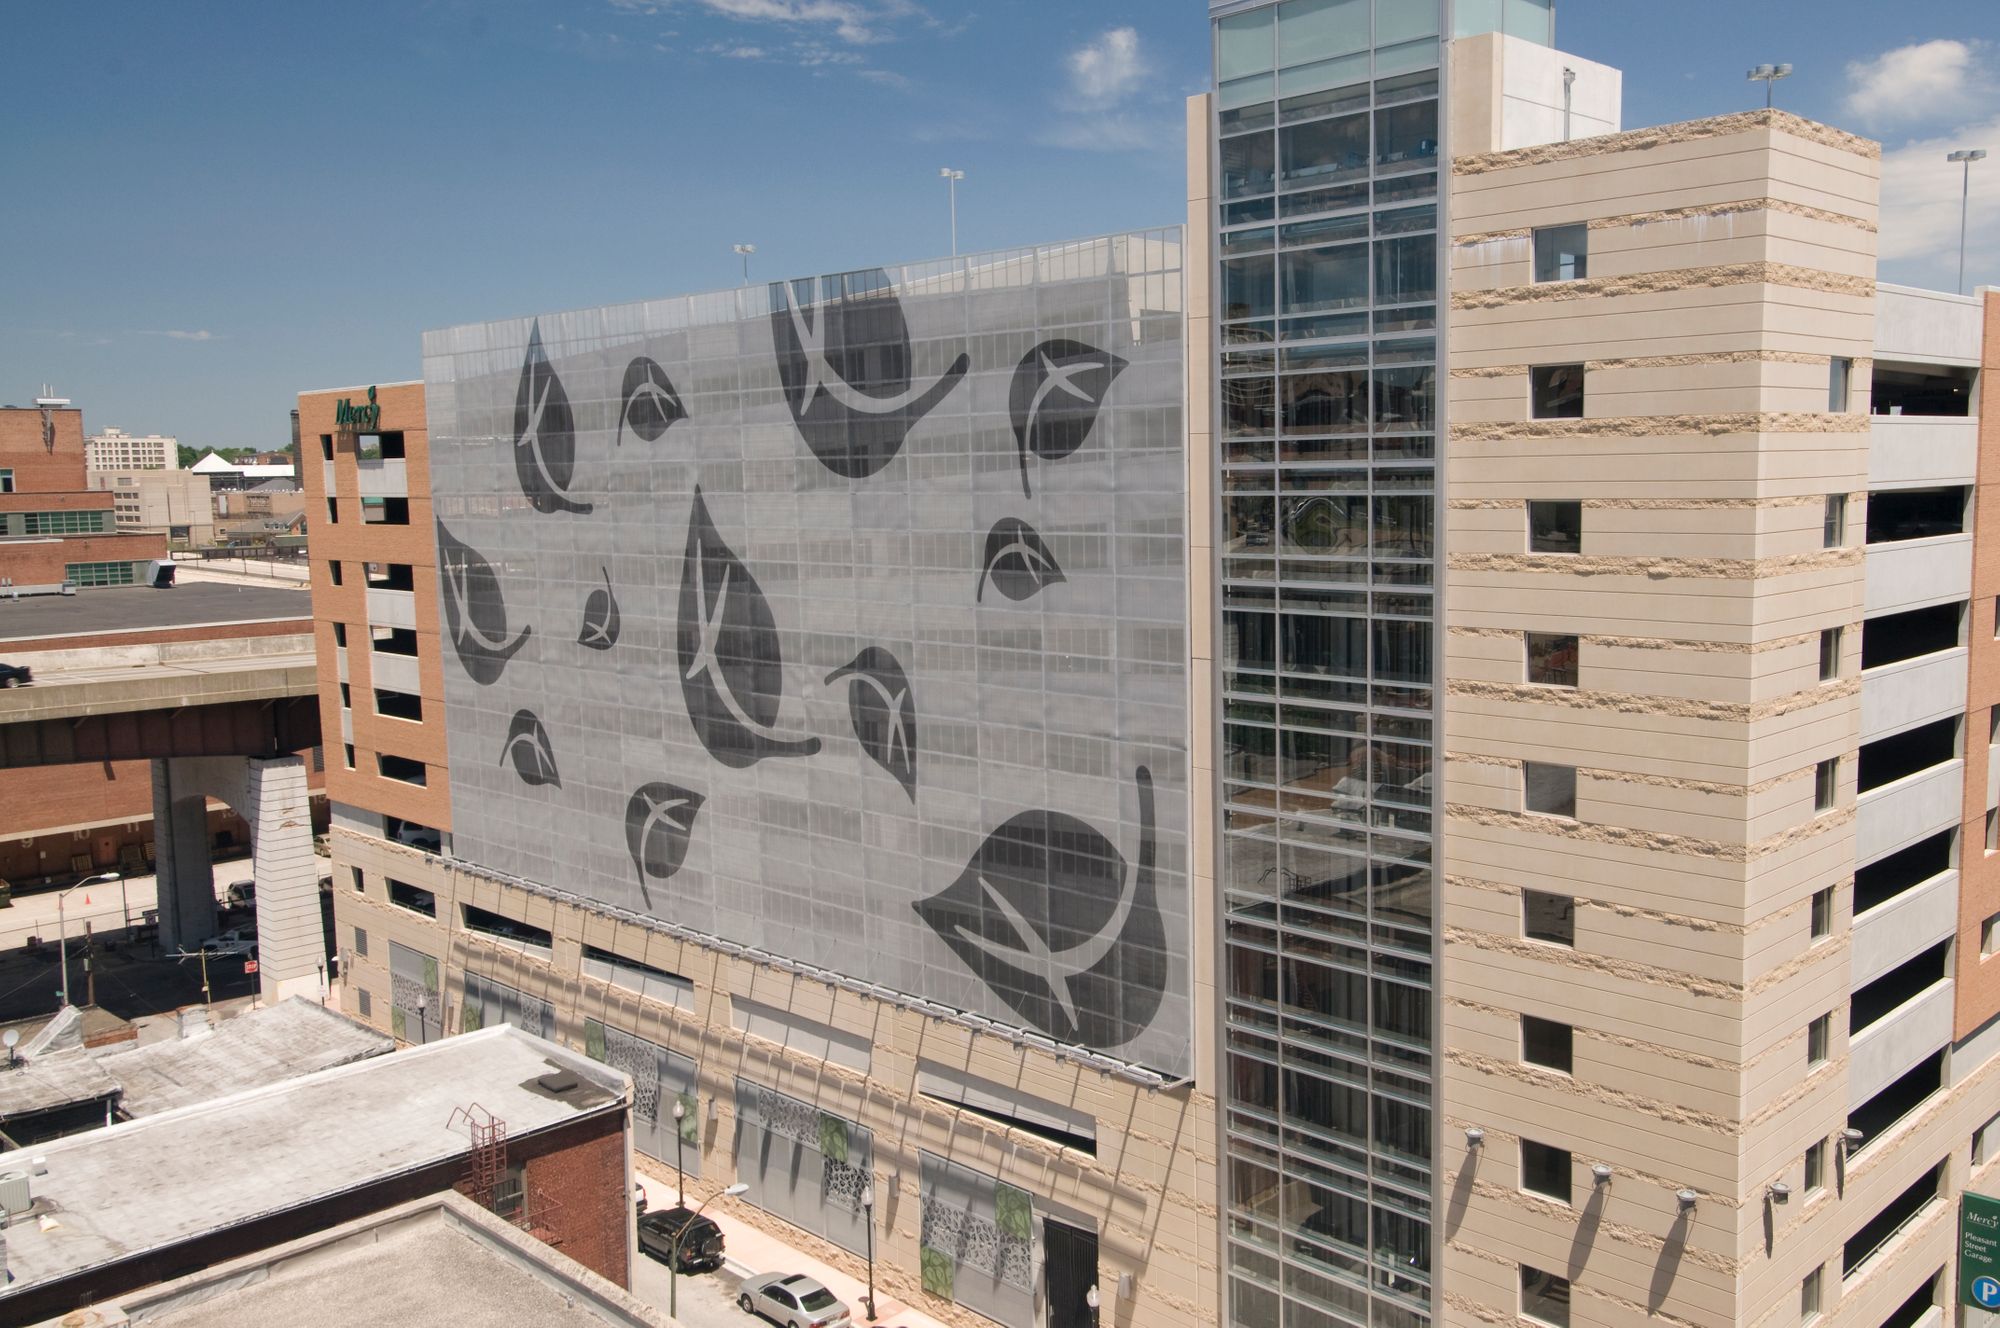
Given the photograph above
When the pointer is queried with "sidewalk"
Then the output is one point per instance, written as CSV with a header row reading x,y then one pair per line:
x,y
751,1251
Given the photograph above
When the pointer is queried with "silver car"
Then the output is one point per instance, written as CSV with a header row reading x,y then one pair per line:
x,y
793,1301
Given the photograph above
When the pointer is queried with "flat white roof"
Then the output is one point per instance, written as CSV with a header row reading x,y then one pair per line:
x,y
114,1193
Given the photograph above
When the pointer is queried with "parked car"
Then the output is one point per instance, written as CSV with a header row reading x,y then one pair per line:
x,y
794,1301
16,675
700,1239
638,1200
241,941
240,893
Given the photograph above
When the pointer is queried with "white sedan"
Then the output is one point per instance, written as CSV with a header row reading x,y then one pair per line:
x,y
792,1302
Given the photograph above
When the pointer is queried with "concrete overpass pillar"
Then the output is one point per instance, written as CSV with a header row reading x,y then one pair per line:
x,y
291,941
182,866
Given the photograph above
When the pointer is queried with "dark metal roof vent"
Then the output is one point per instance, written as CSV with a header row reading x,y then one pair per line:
x,y
556,1081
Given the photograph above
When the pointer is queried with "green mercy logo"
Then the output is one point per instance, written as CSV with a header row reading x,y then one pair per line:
x,y
347,415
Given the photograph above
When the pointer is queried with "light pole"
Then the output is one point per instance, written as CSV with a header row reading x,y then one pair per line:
x,y
1092,1300
680,1177
1769,75
951,179
1965,156
62,923
868,1215
743,251
674,1250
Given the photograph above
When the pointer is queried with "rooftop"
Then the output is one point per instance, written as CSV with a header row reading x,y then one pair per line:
x,y
115,1193
437,1260
258,1047
139,608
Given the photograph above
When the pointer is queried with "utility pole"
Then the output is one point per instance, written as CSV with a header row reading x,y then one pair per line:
x,y
951,179
1965,157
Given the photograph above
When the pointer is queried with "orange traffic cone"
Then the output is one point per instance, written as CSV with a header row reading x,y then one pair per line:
x,y
86,901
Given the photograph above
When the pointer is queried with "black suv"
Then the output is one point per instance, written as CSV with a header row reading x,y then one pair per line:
x,y
16,675
700,1239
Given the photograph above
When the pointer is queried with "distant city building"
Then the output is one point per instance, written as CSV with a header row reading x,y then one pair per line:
x,y
225,474
114,449
55,529
176,503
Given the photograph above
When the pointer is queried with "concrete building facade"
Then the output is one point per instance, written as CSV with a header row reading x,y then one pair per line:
x,y
116,450
160,501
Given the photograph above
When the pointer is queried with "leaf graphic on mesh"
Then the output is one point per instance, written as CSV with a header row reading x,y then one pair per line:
x,y
475,612
600,617
648,403
1045,915
528,747
1057,390
884,713
732,671
659,819
1017,562
844,358
544,433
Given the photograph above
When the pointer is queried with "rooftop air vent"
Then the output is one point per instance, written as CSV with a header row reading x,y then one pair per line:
x,y
556,1081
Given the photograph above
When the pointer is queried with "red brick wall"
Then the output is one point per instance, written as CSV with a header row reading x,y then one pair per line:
x,y
43,562
99,500
37,468
1978,992
49,480
587,1206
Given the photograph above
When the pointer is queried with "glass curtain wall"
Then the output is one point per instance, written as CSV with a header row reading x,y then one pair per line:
x,y
1329,160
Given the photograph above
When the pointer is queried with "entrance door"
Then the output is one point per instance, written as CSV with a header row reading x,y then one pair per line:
x,y
1070,1264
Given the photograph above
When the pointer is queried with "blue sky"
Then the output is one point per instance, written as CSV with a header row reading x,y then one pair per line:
x,y
214,205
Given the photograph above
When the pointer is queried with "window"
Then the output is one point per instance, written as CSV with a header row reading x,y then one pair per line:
x,y
510,1192
340,630
1547,917
399,705
1829,654
1890,638
402,769
6,481
385,511
333,575
360,881
499,927
1549,790
366,1005
1826,784
65,523
326,446
1989,937
1900,755
1562,253
1552,659
1555,391
1907,514
346,696
1809,1297
1555,527
1545,1170
1907,868
1839,373
99,574
333,511
1986,1142
1544,1297
1546,1043
1833,531
1819,1037
360,942
1932,390
379,446
1822,913
1816,1166
390,576
415,898
1993,829
347,752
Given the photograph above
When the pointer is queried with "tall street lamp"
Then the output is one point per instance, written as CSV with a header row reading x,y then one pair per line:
x,y
62,922
743,251
674,1250
951,179
680,1177
1965,156
1769,75
868,1215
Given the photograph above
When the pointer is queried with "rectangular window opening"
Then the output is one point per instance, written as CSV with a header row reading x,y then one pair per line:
x,y
1545,1170
1555,526
1549,1044
1552,658
413,897
1549,790
1562,253
1555,391
1548,917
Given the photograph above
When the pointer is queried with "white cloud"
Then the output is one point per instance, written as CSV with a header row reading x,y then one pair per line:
x,y
1928,81
1106,71
1918,243
184,334
854,21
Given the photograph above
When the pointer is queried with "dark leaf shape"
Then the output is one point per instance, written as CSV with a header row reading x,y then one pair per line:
x,y
528,746
647,402
1057,389
884,713
600,617
1045,916
732,673
843,350
475,614
1017,561
544,433
659,819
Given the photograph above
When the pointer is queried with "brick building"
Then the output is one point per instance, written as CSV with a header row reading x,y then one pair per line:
x,y
54,528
